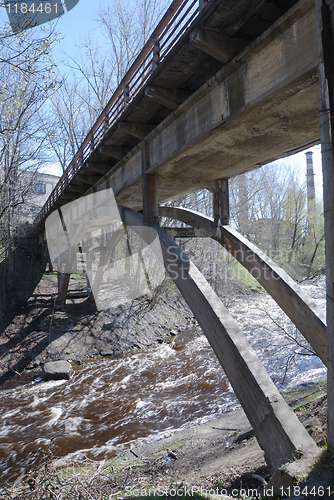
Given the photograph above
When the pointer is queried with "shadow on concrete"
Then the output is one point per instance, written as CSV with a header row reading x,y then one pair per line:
x,y
28,271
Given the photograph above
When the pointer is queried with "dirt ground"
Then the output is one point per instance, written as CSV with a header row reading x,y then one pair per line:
x,y
37,330
222,456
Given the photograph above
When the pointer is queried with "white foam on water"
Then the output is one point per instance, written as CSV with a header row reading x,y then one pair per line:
x,y
43,386
10,413
175,383
141,404
7,429
56,413
37,400
72,424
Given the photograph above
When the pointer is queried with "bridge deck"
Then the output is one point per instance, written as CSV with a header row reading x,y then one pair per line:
x,y
228,95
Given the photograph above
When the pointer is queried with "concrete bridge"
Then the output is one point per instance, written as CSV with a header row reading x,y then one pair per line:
x,y
220,88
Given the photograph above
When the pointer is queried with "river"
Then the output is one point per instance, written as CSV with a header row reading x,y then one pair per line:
x,y
144,394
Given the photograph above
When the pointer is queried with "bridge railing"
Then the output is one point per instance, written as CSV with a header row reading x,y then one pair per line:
x,y
176,20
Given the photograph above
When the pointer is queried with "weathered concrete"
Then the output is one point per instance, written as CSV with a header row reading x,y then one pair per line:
x,y
278,430
302,311
326,108
261,106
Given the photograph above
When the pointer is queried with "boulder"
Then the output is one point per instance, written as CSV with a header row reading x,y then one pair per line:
x,y
56,370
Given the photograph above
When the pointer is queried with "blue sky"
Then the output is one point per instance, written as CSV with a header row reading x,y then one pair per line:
x,y
75,25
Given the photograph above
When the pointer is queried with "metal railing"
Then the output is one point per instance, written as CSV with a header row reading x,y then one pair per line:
x,y
177,19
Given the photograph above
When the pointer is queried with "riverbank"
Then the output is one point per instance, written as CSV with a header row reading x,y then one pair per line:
x,y
43,331
219,456
208,453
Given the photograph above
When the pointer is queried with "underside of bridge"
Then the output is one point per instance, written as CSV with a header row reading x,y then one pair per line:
x,y
239,88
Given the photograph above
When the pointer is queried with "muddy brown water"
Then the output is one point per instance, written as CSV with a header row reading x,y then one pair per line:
x,y
110,402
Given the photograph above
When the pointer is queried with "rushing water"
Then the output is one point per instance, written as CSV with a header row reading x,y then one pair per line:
x,y
114,401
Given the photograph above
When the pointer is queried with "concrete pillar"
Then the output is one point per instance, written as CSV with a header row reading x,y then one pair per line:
x,y
324,17
221,205
243,203
149,188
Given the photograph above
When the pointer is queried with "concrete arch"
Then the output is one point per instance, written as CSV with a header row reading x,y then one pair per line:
x,y
303,312
278,430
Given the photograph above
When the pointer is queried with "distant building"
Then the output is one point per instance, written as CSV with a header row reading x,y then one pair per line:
x,y
41,187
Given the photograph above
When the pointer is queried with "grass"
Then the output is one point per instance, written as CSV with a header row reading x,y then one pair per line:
x,y
325,461
241,275
302,405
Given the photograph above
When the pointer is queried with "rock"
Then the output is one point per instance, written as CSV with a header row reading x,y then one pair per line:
x,y
56,370
171,454
106,352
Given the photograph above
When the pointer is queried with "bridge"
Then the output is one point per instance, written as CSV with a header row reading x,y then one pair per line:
x,y
220,88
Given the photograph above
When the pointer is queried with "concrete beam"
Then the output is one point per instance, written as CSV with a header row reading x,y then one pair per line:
x,y
138,130
69,196
171,98
191,232
77,189
105,258
261,106
219,46
221,202
83,178
278,430
114,152
101,168
303,312
149,187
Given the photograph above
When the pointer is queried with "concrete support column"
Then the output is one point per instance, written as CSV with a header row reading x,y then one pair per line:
x,y
149,187
324,17
221,204
89,261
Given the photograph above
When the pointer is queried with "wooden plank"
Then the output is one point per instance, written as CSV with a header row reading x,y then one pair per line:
x,y
302,311
278,430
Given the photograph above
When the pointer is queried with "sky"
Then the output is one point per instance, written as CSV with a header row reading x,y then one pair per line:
x,y
299,162
76,24
81,21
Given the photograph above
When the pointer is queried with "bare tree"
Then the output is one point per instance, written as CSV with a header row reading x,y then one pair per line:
x,y
127,27
25,82
93,74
